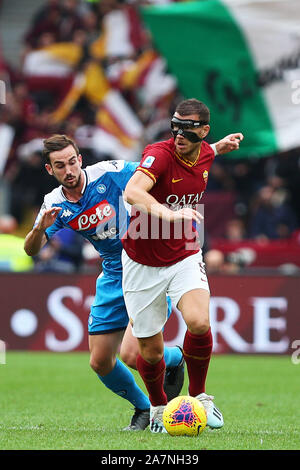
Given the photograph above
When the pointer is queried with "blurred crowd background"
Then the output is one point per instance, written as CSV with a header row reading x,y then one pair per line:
x,y
90,69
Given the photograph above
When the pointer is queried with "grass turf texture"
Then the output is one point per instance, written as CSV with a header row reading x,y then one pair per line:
x,y
54,401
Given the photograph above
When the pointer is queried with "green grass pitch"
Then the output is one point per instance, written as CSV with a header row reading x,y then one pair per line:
x,y
55,401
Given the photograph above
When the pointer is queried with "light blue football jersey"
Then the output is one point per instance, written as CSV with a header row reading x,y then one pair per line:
x,y
101,216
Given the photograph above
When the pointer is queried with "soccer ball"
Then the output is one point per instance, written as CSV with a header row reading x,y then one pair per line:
x,y
184,416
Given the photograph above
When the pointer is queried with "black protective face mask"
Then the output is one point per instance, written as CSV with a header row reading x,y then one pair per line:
x,y
191,136
180,126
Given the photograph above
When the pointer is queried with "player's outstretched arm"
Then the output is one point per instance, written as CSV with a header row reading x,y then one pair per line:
x,y
36,238
229,143
137,194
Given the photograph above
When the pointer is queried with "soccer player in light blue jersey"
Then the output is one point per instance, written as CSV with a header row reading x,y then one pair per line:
x,y
90,201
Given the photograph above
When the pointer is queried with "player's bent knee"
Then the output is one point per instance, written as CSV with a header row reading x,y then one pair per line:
x,y
128,358
198,326
152,348
101,365
152,356
94,364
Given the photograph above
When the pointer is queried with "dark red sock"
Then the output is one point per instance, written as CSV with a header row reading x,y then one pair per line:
x,y
197,351
153,377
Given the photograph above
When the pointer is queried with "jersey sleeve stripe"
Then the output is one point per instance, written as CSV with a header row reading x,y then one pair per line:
x,y
147,173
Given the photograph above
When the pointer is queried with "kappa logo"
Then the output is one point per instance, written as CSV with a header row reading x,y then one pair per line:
x,y
66,213
115,163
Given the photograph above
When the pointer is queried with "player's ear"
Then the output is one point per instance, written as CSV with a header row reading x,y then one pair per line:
x,y
49,169
206,130
80,160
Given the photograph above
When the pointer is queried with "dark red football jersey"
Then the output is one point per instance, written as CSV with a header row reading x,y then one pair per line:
x,y
178,183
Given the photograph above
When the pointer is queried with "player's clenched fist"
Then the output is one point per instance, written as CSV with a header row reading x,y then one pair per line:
x,y
229,143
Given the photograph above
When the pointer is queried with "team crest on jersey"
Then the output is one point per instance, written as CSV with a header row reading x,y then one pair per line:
x,y
205,175
148,162
101,188
94,216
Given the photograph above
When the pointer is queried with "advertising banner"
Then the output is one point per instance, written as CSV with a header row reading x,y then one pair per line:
x,y
249,314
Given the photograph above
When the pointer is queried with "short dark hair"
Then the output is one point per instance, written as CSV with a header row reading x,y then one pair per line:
x,y
193,106
57,142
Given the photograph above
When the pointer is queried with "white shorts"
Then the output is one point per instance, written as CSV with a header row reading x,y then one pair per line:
x,y
145,289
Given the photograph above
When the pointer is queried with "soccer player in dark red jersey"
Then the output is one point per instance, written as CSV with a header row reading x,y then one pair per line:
x,y
162,255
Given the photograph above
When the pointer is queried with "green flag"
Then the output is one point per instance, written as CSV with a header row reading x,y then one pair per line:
x,y
241,58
